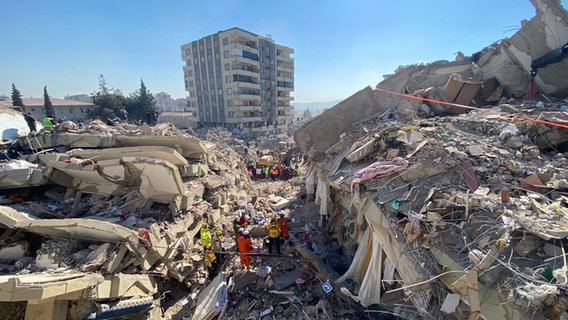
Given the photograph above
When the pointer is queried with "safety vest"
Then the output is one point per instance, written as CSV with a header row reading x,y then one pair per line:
x,y
48,123
273,231
205,236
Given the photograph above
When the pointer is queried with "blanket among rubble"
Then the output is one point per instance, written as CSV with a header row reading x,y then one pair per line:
x,y
380,168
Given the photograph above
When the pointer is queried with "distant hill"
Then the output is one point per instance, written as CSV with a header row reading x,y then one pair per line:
x,y
314,107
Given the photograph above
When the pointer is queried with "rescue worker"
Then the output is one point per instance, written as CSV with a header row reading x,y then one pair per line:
x,y
48,122
31,123
283,224
210,261
245,244
236,229
218,244
273,236
205,235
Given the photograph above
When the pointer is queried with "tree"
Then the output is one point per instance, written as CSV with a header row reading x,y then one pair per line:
x,y
49,111
17,97
141,103
108,102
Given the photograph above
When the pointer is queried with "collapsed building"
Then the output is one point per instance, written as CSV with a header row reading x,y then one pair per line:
x,y
446,188
123,205
437,208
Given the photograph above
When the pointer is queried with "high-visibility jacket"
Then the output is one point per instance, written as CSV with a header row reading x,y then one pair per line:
x,y
209,258
205,236
48,123
273,230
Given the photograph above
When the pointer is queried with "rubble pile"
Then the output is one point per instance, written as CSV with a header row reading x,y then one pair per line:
x,y
471,192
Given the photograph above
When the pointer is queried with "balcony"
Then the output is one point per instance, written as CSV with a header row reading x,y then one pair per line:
x,y
244,96
246,108
285,98
285,67
246,61
248,119
248,85
241,46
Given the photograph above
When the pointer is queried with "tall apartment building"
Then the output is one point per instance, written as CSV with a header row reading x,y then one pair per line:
x,y
241,81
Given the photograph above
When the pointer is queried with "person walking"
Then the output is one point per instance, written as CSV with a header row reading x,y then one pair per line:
x,y
273,236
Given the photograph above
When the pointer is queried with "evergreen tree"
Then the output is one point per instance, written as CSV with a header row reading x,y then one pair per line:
x,y
49,111
17,97
142,102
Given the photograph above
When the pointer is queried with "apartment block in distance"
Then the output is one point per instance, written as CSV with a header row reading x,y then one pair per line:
x,y
241,81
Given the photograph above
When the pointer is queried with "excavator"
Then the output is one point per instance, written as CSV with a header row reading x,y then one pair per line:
x,y
551,57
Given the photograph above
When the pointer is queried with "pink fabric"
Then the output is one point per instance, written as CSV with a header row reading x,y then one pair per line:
x,y
379,168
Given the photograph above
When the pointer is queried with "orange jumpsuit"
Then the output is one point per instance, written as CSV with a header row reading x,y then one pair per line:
x,y
244,244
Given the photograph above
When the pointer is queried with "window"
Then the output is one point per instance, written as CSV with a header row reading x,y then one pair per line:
x,y
216,43
229,91
194,60
231,114
226,54
202,59
186,84
190,84
225,41
187,52
229,103
228,79
220,91
227,66
209,57
70,111
188,62
200,47
217,56
190,73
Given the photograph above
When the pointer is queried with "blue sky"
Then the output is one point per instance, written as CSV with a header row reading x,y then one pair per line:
x,y
340,46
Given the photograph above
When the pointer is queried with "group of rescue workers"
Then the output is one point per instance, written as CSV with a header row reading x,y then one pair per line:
x,y
213,242
273,172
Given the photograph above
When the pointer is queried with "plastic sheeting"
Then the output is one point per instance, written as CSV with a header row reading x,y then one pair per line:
x,y
311,181
322,195
367,274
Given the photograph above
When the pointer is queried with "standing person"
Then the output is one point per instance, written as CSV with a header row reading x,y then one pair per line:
x,y
148,117
253,171
283,223
210,261
31,122
48,122
205,235
244,243
218,245
124,114
243,219
273,236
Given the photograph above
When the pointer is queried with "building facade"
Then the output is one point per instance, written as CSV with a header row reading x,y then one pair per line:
x,y
241,81
64,108
167,104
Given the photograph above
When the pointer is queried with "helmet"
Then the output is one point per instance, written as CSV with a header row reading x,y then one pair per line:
x,y
246,233
241,230
205,225
218,232
208,246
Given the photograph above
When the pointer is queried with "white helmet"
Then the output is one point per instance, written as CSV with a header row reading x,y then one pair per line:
x,y
246,233
241,230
